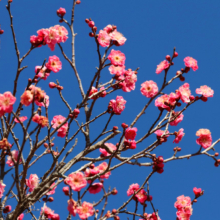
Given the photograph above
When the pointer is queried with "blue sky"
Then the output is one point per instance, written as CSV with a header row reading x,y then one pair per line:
x,y
152,29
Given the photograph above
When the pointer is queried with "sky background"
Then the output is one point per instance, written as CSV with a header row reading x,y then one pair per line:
x,y
152,29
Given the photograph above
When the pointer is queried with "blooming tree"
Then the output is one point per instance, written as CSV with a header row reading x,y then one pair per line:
x,y
86,172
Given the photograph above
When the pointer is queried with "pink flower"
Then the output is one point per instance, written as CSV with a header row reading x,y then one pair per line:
x,y
102,167
117,58
41,120
185,213
85,210
91,172
162,101
129,83
149,89
6,102
55,217
103,38
205,91
179,136
93,91
205,138
54,64
162,66
190,62
102,94
118,38
51,37
132,144
132,189
52,191
159,133
130,133
41,72
14,155
117,70
141,196
76,181
62,33
197,191
111,146
108,28
61,12
56,122
2,189
182,201
47,212
178,118
95,188
153,216
117,105
22,119
32,182
20,217
72,207
27,98
184,92
173,98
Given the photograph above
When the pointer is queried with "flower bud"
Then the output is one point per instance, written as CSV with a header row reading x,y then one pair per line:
x,y
91,34
168,58
114,191
124,125
216,154
114,211
87,20
52,85
66,190
50,199
175,54
91,24
7,209
78,2
1,31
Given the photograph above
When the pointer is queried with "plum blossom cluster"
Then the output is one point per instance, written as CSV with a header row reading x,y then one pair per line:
x,y
35,94
141,196
110,35
49,214
126,78
184,207
158,164
41,120
117,105
93,91
130,134
50,36
56,122
84,210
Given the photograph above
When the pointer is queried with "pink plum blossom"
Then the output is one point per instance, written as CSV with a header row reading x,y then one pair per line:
x,y
13,156
54,64
20,217
95,188
117,58
132,144
111,146
205,91
102,167
129,81
103,38
153,216
41,72
179,136
47,212
27,98
22,119
118,38
173,98
191,62
197,191
52,191
62,33
76,181
132,189
185,213
117,70
61,12
162,66
184,93
7,101
182,201
130,133
162,101
93,91
205,138
56,122
178,119
141,196
2,188
41,120
51,37
149,89
72,207
117,105
32,182
85,210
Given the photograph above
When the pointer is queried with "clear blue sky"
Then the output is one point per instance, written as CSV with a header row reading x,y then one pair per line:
x,y
152,29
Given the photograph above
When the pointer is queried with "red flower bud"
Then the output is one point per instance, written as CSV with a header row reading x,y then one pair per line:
x,y
66,190
168,58
78,2
7,209
52,85
216,154
91,34
175,54
87,20
114,191
1,31
91,24
124,125
50,199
